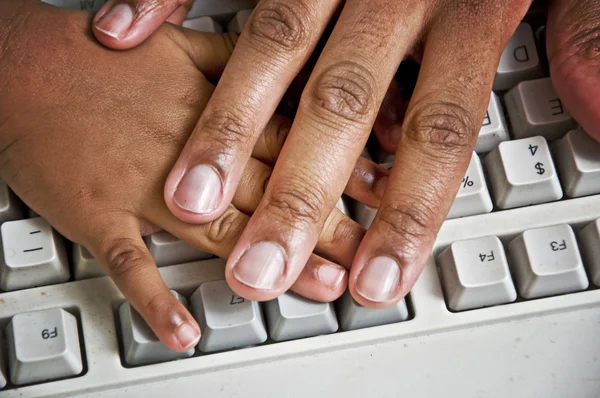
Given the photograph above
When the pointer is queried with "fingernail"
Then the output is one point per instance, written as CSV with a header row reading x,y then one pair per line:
x,y
379,280
261,266
330,276
199,190
187,335
117,21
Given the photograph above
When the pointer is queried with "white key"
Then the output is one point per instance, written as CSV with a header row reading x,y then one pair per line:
x,y
578,163
522,173
85,266
475,274
493,130
473,196
291,316
3,378
140,344
221,10
363,214
33,254
236,25
534,109
354,316
166,249
519,60
590,250
203,24
342,206
546,261
86,5
11,207
227,320
43,345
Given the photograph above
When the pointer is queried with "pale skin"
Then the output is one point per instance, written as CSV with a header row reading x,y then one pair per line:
x,y
458,44
78,147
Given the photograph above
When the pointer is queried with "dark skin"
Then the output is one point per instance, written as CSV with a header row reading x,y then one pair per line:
x,y
88,135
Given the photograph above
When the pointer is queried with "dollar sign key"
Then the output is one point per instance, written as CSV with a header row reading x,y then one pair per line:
x,y
540,168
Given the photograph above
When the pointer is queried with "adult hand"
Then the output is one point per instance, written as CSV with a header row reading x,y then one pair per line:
x,y
87,137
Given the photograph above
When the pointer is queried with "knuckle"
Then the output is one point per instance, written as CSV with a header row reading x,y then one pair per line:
x,y
299,205
227,127
124,256
345,92
225,230
280,25
409,224
442,124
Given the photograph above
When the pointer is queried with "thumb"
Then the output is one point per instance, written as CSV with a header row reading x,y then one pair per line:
x,y
573,37
123,24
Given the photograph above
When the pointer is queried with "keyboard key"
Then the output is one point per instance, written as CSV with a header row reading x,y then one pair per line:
x,y
140,344
227,320
86,5
535,109
85,266
475,274
33,255
546,261
473,196
43,345
519,60
522,173
166,249
293,317
493,130
11,207
578,162
342,206
590,249
221,10
3,378
354,316
203,24
236,25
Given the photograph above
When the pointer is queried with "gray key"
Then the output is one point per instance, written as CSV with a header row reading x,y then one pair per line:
x,y
354,316
578,161
43,345
140,344
590,249
3,379
534,109
546,261
11,207
291,316
86,5
227,320
236,25
85,266
166,249
475,274
203,24
221,10
519,60
33,254
473,196
493,130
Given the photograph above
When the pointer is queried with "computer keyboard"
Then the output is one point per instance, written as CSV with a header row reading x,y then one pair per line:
x,y
507,305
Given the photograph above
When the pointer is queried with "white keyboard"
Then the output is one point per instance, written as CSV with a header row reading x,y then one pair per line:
x,y
507,306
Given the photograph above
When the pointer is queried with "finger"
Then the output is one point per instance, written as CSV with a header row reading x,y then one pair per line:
x,y
120,248
331,127
179,15
573,37
274,45
322,280
124,24
271,141
388,124
438,137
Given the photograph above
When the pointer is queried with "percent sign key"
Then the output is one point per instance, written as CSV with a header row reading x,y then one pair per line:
x,y
467,182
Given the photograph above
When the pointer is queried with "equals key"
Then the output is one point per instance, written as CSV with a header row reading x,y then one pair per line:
x,y
33,254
